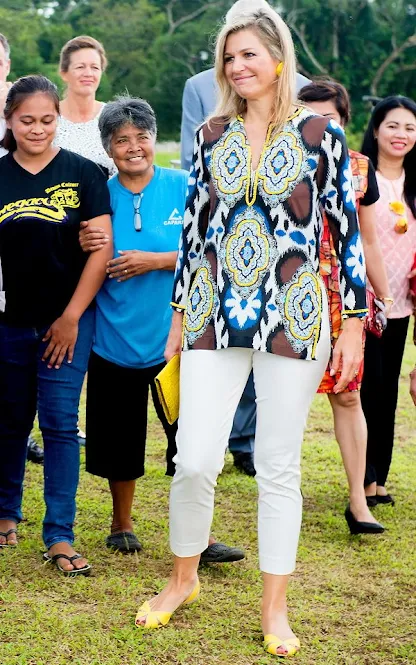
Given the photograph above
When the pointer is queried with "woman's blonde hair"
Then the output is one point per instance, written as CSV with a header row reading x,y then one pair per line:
x,y
258,16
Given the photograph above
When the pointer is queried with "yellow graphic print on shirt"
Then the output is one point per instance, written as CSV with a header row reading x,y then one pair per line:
x,y
49,208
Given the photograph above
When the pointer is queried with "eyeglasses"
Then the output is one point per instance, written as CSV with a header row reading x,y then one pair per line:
x,y
137,220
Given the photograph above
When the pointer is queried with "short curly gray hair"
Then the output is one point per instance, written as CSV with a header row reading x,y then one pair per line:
x,y
125,110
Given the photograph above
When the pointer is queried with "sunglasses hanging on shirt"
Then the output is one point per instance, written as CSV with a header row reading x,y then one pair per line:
x,y
137,220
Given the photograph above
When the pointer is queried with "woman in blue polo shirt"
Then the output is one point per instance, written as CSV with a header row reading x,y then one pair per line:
x,y
133,311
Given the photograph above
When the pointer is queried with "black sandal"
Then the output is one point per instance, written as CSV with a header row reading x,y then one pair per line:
x,y
124,541
86,570
5,535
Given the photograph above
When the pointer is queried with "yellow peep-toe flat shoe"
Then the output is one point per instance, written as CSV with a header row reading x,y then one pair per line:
x,y
157,619
272,643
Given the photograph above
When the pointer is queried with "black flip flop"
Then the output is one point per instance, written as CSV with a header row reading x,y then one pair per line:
x,y
5,534
125,542
86,570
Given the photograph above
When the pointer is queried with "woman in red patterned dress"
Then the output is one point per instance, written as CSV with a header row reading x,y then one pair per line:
x,y
330,99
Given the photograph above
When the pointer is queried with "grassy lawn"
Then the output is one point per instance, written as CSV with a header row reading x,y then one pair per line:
x,y
351,599
164,158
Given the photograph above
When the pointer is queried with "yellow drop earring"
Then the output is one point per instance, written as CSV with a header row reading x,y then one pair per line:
x,y
279,68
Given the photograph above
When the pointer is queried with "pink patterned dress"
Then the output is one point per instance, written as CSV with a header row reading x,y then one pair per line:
x,y
398,248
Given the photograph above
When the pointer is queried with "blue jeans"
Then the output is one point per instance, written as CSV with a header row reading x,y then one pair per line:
x,y
244,426
27,385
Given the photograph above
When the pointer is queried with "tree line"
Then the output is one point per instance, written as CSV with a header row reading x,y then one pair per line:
x,y
153,46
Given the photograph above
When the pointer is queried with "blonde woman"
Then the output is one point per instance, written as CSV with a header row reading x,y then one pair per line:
x,y
247,281
82,64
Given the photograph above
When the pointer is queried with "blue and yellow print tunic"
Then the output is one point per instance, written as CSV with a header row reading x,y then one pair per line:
x,y
247,273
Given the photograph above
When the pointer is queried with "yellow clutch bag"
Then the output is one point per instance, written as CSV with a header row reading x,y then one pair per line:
x,y
167,386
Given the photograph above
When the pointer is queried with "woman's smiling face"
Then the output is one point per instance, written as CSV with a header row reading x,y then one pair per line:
x,y
33,123
133,150
396,135
84,71
248,65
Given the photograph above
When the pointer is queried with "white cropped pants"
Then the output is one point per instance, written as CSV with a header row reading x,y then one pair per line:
x,y
212,383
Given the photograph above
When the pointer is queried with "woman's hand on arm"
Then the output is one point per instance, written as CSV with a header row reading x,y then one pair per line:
x,y
62,334
134,262
174,343
92,238
62,337
348,352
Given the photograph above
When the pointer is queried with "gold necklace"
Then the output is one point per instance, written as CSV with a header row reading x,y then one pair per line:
x,y
250,200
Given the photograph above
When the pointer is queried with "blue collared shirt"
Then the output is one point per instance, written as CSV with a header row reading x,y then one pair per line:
x,y
134,317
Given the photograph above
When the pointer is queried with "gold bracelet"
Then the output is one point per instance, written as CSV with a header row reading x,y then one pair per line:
x,y
386,299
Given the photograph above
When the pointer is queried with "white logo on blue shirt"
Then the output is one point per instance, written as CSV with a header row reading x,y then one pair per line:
x,y
174,218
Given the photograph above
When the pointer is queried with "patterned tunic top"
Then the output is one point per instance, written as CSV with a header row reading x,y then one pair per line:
x,y
366,193
329,266
247,273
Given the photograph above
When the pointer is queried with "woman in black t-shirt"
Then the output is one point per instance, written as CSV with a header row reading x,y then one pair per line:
x,y
47,285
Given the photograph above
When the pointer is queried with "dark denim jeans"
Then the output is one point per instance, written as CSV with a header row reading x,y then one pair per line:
x,y
27,385
244,426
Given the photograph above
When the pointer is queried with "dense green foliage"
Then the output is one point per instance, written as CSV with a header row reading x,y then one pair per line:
x,y
155,45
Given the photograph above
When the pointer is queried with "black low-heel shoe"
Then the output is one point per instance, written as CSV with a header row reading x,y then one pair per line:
x,y
357,527
385,499
371,500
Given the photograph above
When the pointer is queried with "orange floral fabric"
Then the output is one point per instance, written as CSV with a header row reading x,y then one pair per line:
x,y
329,271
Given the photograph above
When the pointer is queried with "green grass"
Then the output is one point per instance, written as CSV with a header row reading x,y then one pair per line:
x,y
352,599
164,158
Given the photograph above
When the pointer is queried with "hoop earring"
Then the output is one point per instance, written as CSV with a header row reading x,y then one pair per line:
x,y
279,68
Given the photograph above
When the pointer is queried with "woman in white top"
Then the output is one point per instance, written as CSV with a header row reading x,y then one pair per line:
x,y
81,66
